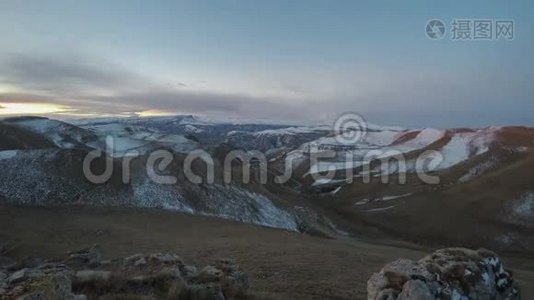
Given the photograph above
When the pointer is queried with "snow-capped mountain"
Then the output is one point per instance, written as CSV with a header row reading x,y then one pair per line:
x,y
43,133
42,163
453,147
270,139
485,175
205,131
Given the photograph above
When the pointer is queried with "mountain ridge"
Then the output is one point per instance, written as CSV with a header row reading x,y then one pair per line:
x,y
483,183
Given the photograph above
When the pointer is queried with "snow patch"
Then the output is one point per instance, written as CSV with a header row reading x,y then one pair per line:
x,y
379,209
381,141
231,202
336,190
7,154
522,149
363,201
323,181
464,145
192,129
388,198
524,206
383,198
478,170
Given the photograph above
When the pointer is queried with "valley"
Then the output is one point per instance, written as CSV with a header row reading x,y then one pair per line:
x,y
318,233
281,264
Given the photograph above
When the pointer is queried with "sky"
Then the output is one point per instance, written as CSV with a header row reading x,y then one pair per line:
x,y
298,61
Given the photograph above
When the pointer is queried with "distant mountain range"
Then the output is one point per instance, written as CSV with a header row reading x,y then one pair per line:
x,y
484,197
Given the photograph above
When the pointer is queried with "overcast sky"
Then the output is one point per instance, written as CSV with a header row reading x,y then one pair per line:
x,y
284,60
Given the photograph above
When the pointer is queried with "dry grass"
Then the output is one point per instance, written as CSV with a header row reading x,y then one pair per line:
x,y
281,264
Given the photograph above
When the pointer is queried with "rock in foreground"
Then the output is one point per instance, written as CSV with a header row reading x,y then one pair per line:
x,y
85,275
452,273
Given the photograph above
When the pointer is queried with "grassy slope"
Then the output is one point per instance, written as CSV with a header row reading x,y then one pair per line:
x,y
281,264
474,213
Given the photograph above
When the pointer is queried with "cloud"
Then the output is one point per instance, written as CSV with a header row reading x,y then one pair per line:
x,y
97,86
409,97
66,75
28,97
235,105
223,105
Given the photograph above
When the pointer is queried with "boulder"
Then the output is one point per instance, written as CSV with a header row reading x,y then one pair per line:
x,y
54,268
47,281
55,286
90,256
452,273
23,275
133,258
88,275
224,273
140,262
165,258
188,271
154,260
416,290
170,272
207,275
155,276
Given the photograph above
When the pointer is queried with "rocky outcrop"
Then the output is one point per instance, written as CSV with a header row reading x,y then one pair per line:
x,y
452,273
84,274
46,281
90,256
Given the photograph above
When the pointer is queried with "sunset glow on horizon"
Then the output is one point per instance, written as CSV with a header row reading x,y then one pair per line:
x,y
155,113
17,109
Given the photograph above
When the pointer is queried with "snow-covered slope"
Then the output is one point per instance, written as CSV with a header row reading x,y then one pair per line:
x,y
453,146
27,133
53,177
41,163
125,138
42,133
464,145
270,139
205,131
